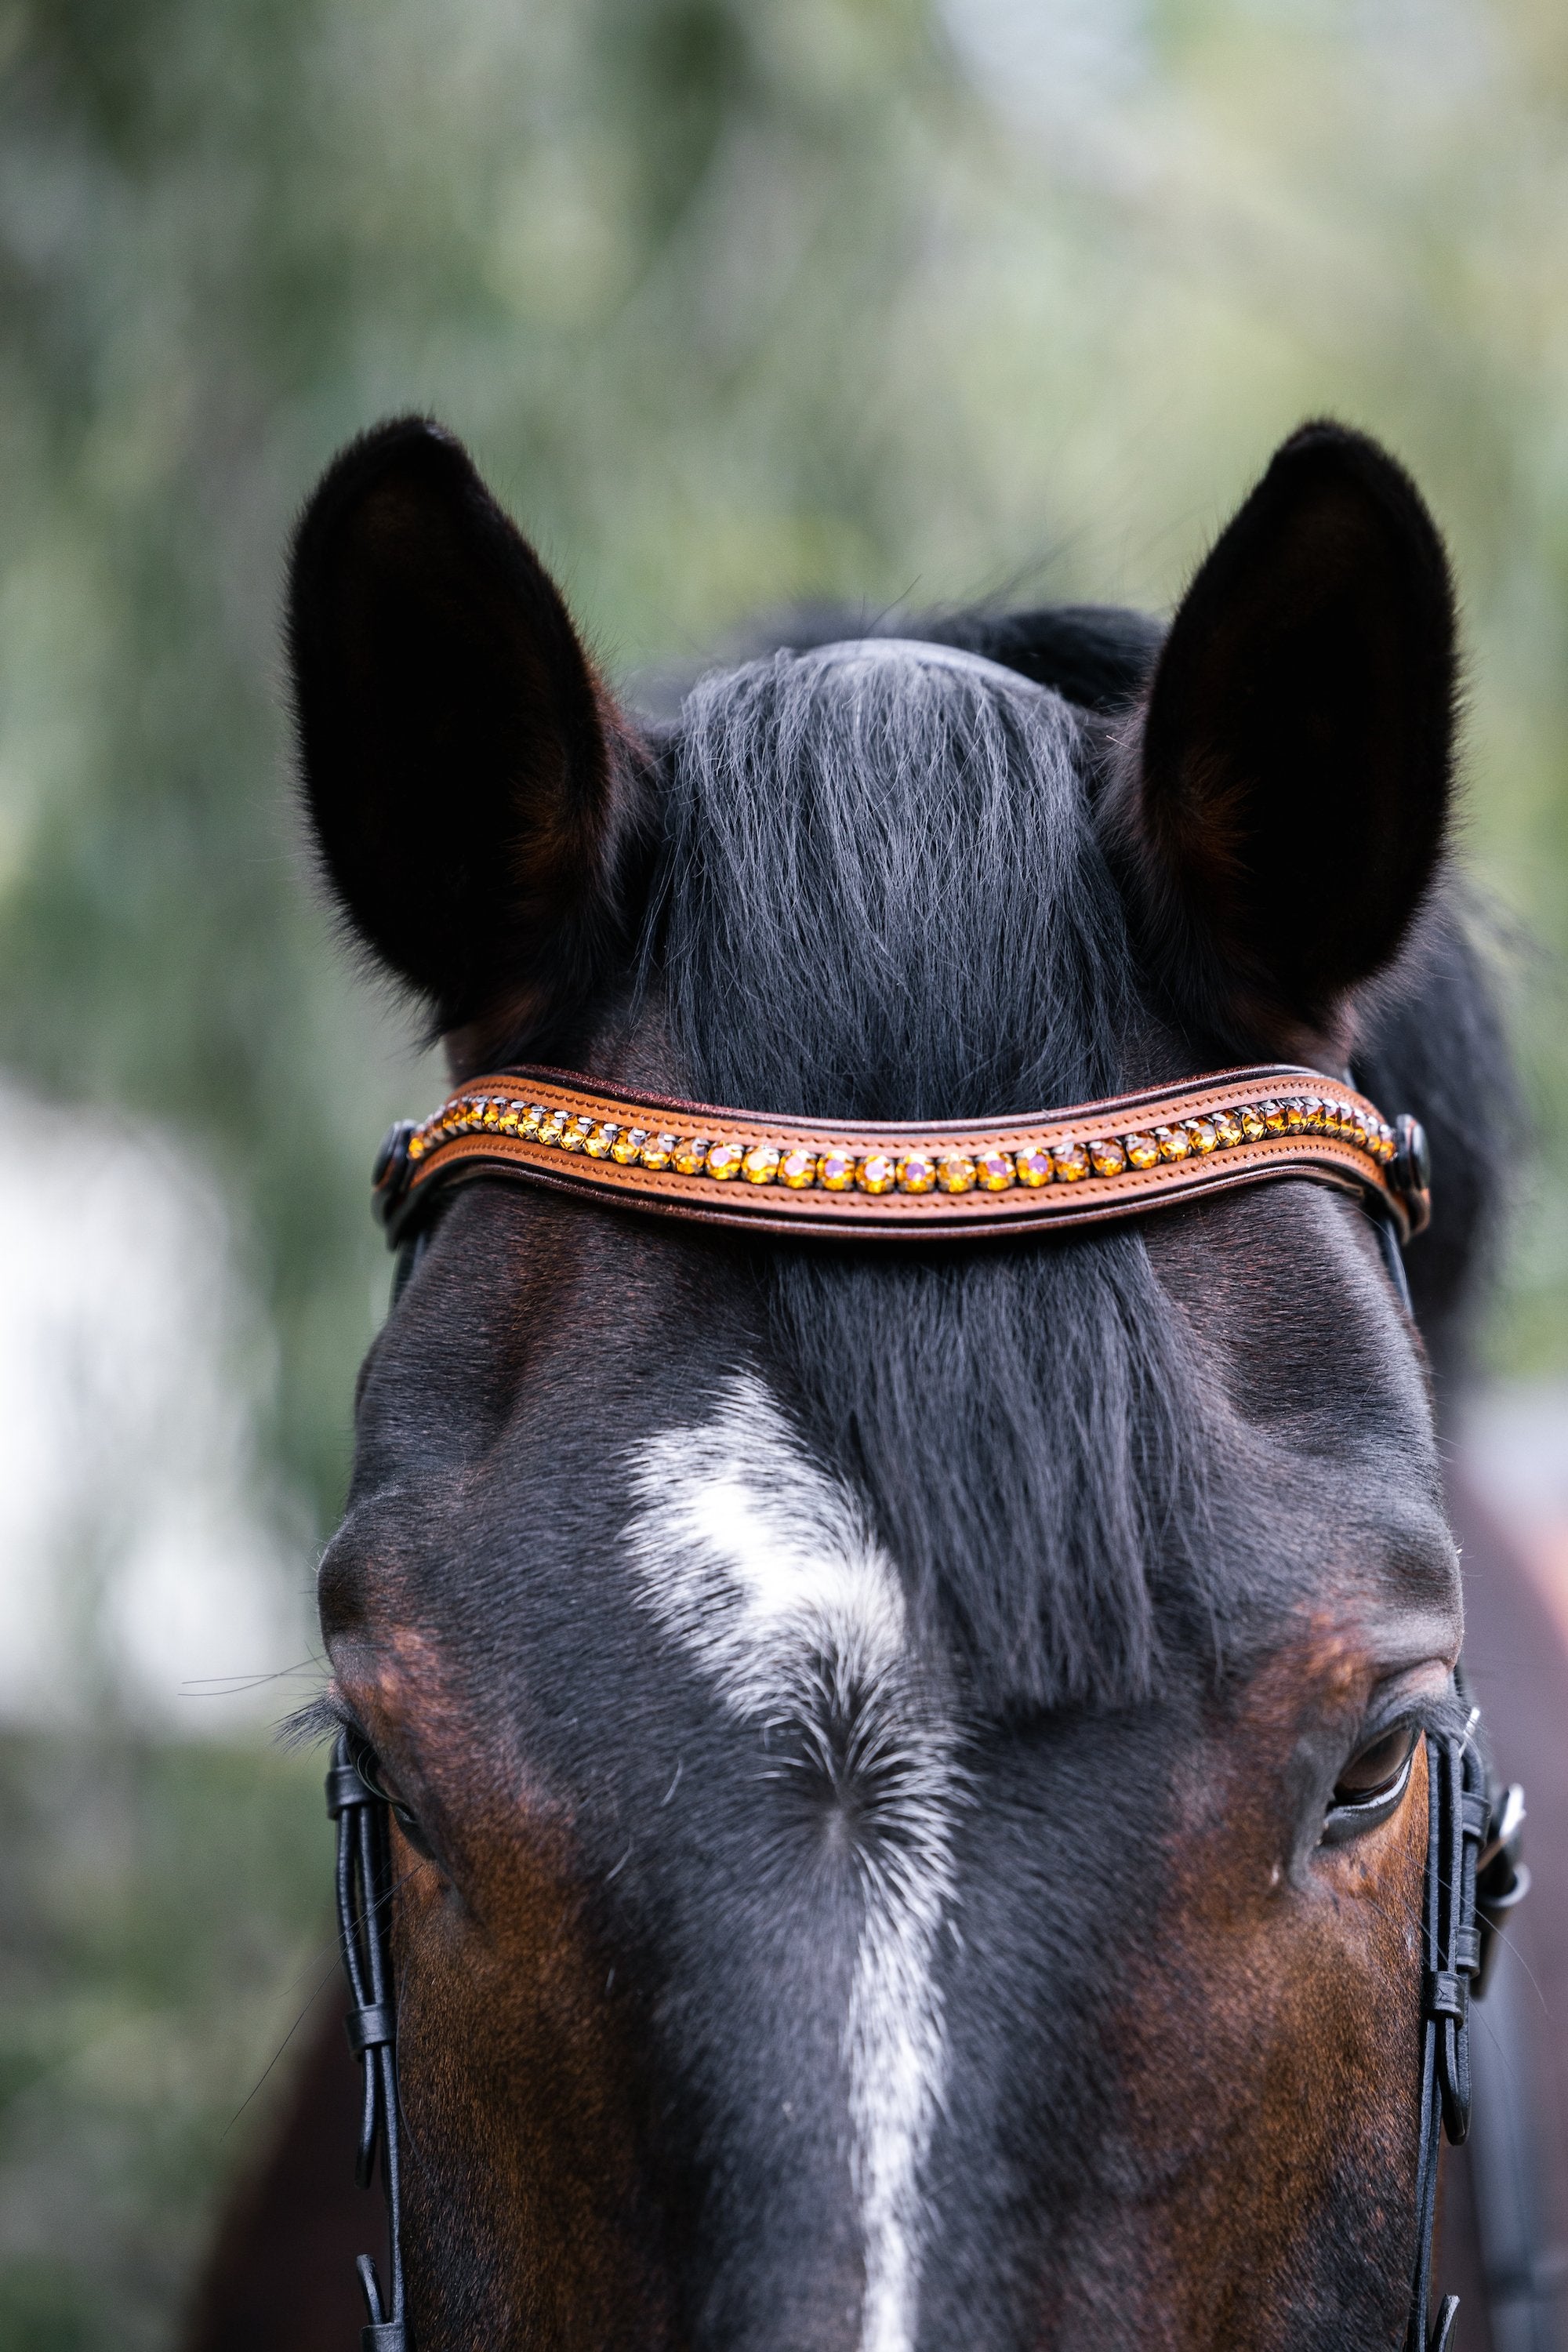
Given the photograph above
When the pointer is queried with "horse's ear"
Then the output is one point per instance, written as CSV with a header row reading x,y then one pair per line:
x,y
465,775
1292,795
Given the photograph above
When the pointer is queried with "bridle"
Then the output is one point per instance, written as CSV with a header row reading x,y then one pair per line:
x,y
943,1181
364,1896
954,1179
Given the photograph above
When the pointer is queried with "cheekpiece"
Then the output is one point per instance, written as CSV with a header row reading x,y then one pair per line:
x,y
937,1181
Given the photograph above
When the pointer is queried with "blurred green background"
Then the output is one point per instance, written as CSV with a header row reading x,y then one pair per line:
x,y
735,303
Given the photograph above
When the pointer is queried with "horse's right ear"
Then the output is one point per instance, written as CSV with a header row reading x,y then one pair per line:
x,y
466,779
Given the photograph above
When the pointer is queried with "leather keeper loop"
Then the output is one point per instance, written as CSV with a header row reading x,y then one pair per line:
x,y
1467,1950
1446,1995
383,2336
1477,1814
345,1789
371,2027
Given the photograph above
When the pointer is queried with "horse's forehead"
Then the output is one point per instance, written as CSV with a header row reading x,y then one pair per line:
x,y
1314,1457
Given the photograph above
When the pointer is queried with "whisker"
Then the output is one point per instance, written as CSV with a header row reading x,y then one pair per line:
x,y
282,2046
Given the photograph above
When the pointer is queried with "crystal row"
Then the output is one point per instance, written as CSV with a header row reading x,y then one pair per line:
x,y
916,1168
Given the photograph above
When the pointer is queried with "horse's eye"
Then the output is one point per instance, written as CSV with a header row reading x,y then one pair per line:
x,y
1376,1770
373,1773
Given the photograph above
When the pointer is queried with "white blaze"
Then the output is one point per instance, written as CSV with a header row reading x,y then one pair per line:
x,y
765,1568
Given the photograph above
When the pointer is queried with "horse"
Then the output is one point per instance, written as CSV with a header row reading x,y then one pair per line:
x,y
908,1763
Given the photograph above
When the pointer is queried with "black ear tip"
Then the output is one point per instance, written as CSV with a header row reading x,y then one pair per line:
x,y
1326,453
1324,441
410,452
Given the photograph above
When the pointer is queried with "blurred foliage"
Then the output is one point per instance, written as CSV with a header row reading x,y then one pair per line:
x,y
161,1927
881,300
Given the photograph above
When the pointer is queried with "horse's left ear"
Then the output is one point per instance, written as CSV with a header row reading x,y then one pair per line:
x,y
1288,807
467,781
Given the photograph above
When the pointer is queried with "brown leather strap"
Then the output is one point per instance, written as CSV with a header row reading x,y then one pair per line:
x,y
928,1180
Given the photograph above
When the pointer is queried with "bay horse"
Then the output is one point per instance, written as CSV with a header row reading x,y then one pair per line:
x,y
908,1803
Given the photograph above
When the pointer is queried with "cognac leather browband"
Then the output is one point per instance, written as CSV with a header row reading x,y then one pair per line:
x,y
934,1179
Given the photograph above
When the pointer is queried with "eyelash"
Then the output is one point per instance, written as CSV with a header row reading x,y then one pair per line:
x,y
323,1718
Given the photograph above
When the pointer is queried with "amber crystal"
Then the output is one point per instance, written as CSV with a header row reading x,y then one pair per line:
x,y
1070,1164
1033,1167
761,1164
1173,1143
1105,1157
657,1152
724,1160
877,1172
690,1155
1142,1150
1252,1125
506,1122
490,1115
955,1172
533,1119
836,1171
627,1145
1227,1127
1202,1134
575,1133
551,1125
416,1147
916,1173
797,1168
1273,1115
994,1170
1311,1115
601,1143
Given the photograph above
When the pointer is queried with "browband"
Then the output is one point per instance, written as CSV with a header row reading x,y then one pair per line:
x,y
937,1180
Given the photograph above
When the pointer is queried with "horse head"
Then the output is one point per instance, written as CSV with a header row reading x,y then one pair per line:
x,y
910,1805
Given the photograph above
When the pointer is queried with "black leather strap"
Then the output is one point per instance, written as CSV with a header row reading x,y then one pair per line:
x,y
1458,1816
365,1894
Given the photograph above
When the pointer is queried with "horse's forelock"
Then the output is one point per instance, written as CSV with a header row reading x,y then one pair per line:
x,y
884,897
